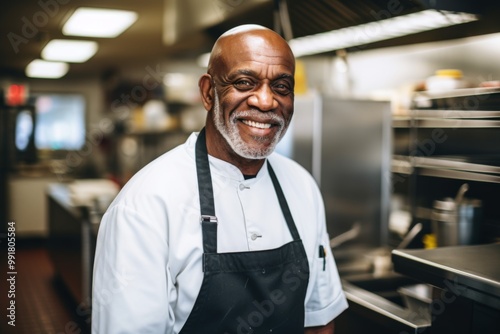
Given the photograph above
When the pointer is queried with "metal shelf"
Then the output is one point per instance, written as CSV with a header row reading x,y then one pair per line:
x,y
477,109
458,175
401,122
453,114
458,163
482,120
456,93
451,168
456,123
401,165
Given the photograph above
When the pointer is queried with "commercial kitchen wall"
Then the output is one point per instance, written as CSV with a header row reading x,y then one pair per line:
x,y
373,73
380,73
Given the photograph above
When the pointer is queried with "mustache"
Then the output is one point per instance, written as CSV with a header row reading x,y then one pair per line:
x,y
258,116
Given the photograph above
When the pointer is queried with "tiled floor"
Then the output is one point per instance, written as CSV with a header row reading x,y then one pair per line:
x,y
42,304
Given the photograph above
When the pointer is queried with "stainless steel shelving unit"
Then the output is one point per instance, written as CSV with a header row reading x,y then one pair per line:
x,y
469,119
446,167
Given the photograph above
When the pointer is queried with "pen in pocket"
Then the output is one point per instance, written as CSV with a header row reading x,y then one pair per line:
x,y
322,254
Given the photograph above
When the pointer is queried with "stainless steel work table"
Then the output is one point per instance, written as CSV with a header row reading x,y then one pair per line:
x,y
468,278
71,242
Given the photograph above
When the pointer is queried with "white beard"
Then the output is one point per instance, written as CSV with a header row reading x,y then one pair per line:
x,y
231,134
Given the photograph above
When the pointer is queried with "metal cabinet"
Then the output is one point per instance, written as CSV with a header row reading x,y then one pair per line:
x,y
345,144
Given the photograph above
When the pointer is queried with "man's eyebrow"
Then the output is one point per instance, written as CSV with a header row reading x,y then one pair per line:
x,y
243,72
285,76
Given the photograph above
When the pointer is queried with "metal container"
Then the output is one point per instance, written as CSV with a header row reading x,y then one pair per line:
x,y
457,223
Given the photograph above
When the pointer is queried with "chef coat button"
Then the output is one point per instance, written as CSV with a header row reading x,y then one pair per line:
x,y
255,236
242,186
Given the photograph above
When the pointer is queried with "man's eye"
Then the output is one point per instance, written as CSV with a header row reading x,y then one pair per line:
x,y
282,89
243,84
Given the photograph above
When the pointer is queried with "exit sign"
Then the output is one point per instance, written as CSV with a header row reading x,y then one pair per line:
x,y
16,95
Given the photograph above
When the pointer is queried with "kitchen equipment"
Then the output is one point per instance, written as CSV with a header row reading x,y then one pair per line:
x,y
92,192
417,298
457,221
445,80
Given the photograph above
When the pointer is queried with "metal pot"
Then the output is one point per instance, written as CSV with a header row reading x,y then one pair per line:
x,y
457,221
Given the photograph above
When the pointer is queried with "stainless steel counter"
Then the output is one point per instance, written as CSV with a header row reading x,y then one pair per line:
x,y
474,270
60,193
466,281
72,237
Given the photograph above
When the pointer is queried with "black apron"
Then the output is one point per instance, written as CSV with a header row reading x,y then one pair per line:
x,y
247,292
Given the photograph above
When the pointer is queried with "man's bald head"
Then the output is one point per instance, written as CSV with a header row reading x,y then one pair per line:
x,y
248,92
246,38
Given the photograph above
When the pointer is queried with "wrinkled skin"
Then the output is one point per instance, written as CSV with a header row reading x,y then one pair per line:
x,y
248,93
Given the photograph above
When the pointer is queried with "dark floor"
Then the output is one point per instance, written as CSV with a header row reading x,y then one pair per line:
x,y
41,301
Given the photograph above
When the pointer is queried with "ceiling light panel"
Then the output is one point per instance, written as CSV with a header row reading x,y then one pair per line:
x,y
69,50
46,69
377,31
98,22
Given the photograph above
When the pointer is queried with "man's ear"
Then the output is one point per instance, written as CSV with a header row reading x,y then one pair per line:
x,y
206,91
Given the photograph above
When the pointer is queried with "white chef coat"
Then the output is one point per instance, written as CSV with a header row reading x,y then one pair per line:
x,y
147,270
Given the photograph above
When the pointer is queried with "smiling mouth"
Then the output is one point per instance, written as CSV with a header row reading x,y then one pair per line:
x,y
255,124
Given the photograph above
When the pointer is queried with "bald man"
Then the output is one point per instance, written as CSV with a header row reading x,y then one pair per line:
x,y
221,234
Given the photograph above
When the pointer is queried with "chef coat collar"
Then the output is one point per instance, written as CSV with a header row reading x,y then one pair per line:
x,y
224,168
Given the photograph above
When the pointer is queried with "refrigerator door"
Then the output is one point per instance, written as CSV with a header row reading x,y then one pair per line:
x,y
346,145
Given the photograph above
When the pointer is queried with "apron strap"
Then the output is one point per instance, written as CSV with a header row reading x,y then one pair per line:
x,y
284,205
206,194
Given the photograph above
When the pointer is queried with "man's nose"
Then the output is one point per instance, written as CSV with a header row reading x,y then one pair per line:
x,y
263,99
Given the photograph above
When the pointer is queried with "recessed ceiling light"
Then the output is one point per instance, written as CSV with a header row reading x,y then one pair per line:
x,y
69,50
98,22
46,69
377,31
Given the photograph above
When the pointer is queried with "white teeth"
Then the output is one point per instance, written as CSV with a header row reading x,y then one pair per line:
x,y
257,124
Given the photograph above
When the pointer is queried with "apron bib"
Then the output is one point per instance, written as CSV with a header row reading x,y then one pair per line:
x,y
247,292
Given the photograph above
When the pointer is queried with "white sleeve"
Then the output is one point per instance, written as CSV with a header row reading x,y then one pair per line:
x,y
131,284
327,299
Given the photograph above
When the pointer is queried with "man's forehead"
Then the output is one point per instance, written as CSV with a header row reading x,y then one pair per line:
x,y
250,43
253,41
255,51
